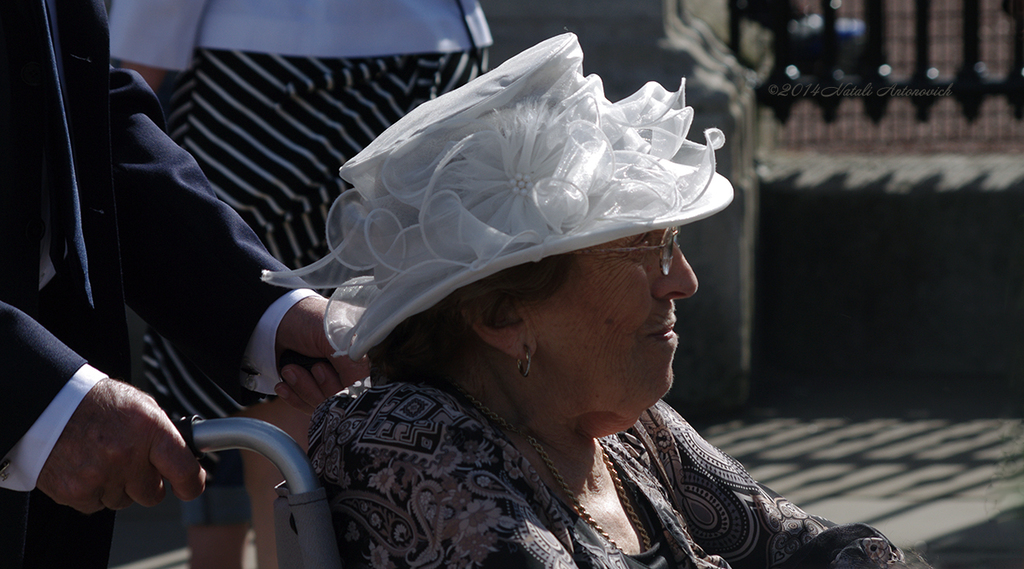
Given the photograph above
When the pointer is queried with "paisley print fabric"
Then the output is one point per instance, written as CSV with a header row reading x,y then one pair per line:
x,y
417,477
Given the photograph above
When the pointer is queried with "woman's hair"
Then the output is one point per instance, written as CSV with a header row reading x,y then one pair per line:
x,y
422,346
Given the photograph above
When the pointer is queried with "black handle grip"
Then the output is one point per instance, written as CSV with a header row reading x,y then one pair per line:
x,y
291,357
185,425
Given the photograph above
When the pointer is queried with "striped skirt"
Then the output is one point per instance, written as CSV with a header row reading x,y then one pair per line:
x,y
270,132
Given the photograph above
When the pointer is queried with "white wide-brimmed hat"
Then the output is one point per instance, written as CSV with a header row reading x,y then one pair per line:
x,y
527,161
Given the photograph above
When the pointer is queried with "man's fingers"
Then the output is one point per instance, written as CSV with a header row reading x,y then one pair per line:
x,y
173,461
305,389
147,488
300,388
328,380
349,371
190,487
115,498
291,398
74,493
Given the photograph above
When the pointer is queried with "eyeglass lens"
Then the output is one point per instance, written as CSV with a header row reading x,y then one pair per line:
x,y
668,249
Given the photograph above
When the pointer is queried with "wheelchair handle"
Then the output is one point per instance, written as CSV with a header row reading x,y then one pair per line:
x,y
261,437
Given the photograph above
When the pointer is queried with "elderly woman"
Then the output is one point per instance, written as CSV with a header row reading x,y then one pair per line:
x,y
512,243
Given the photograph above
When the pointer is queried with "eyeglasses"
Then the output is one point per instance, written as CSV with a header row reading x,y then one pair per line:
x,y
667,247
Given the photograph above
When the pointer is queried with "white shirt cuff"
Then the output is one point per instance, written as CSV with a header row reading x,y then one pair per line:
x,y
20,469
259,369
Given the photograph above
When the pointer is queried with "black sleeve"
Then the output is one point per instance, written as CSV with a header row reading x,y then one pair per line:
x,y
191,266
36,365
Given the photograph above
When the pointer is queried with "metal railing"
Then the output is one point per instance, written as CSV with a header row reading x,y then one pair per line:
x,y
821,55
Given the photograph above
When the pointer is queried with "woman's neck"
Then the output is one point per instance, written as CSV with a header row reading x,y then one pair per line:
x,y
563,447
533,407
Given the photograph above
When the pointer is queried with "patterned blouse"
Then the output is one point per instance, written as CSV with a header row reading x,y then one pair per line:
x,y
416,476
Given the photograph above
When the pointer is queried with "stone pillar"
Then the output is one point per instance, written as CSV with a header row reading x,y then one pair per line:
x,y
713,361
628,44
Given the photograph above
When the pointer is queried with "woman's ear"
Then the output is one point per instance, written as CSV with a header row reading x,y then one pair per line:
x,y
508,338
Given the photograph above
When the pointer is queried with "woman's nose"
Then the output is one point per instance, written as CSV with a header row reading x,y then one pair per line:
x,y
680,282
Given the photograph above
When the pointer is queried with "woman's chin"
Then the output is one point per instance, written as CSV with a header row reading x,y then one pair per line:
x,y
663,387
658,387
669,379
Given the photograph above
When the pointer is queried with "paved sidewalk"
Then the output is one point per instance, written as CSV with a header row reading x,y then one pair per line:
x,y
936,463
933,486
153,538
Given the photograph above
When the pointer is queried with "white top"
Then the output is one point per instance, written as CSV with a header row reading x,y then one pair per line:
x,y
163,33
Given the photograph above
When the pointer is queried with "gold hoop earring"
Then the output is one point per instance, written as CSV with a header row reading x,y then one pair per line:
x,y
524,370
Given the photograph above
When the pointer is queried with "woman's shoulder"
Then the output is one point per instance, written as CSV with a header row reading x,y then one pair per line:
x,y
411,475
681,447
408,416
415,400
416,432
662,419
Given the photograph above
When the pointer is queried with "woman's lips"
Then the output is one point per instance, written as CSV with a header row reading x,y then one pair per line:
x,y
666,330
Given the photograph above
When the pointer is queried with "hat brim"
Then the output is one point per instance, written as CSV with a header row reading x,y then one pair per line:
x,y
716,197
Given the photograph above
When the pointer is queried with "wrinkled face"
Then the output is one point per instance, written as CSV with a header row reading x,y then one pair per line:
x,y
606,337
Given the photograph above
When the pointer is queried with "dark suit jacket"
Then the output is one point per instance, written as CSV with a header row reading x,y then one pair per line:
x,y
156,240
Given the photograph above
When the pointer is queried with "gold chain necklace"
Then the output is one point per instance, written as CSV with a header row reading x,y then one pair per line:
x,y
576,505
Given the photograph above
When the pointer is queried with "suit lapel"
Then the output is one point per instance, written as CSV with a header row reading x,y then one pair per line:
x,y
103,330
64,195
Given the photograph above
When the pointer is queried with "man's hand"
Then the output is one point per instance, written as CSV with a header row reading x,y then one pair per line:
x,y
302,330
118,448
